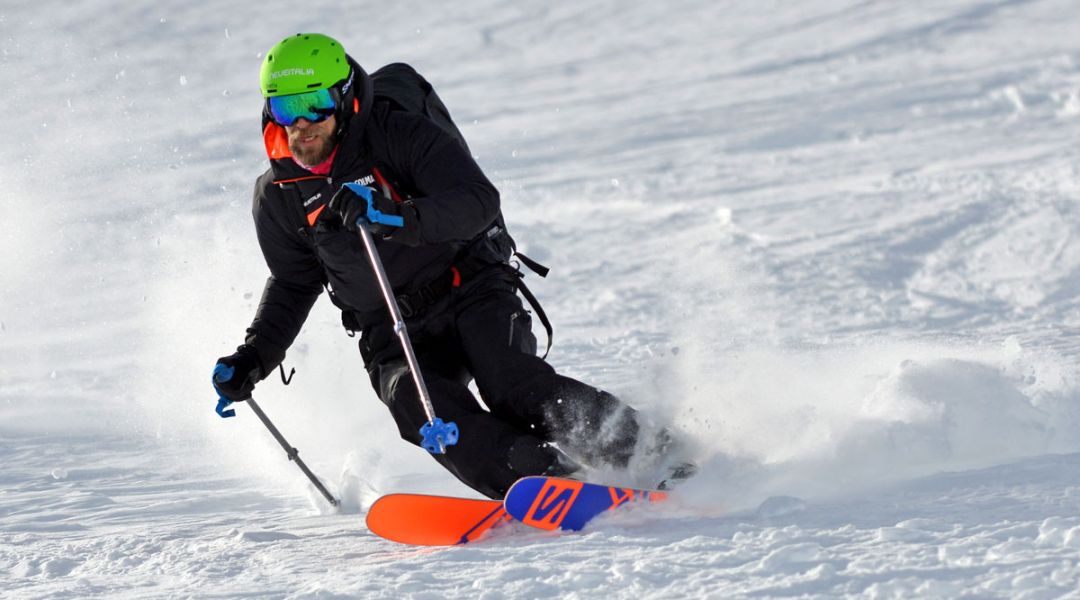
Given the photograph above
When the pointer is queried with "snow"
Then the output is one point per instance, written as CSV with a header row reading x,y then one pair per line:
x,y
836,242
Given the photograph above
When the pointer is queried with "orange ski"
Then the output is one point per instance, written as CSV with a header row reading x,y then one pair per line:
x,y
433,520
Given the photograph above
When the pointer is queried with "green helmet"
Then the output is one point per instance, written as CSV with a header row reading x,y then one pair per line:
x,y
301,63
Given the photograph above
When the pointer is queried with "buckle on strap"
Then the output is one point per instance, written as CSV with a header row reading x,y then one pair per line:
x,y
426,295
412,304
405,306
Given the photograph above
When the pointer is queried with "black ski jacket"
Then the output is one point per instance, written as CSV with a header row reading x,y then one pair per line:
x,y
305,249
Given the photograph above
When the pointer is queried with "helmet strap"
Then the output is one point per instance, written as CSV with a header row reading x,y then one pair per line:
x,y
346,104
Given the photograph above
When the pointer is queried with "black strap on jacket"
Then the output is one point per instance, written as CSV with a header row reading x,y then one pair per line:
x,y
417,301
519,283
534,266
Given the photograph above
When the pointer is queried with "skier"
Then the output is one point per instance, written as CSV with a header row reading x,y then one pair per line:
x,y
447,258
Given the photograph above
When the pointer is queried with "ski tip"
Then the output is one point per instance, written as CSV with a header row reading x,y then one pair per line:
x,y
422,520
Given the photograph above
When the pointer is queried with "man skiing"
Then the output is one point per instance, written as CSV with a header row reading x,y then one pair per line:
x,y
446,255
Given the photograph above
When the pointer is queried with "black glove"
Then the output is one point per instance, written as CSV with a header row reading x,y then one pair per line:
x,y
390,220
235,375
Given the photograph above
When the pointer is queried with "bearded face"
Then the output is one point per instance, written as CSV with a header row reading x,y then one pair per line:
x,y
311,143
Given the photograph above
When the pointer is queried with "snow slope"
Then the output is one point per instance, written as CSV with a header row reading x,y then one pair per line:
x,y
836,242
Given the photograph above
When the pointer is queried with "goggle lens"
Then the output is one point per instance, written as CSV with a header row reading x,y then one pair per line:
x,y
315,106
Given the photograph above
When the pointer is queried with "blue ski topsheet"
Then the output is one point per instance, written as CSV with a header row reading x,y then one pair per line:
x,y
554,503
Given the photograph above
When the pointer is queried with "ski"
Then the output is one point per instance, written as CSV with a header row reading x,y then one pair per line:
x,y
547,503
423,520
554,503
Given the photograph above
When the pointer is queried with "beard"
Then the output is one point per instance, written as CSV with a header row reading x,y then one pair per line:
x,y
314,152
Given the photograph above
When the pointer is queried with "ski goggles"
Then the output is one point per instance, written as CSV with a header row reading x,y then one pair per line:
x,y
315,106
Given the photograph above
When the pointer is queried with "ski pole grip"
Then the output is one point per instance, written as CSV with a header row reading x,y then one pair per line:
x,y
223,373
373,215
437,435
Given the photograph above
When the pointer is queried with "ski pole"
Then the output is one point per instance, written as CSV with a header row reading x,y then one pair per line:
x,y
224,373
435,434
293,453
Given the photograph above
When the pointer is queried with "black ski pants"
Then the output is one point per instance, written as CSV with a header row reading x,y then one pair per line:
x,y
482,332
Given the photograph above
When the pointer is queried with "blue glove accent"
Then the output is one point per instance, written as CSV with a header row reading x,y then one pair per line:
x,y
222,404
223,373
437,435
373,214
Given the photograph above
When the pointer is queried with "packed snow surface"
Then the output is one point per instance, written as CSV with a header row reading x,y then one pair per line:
x,y
836,242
